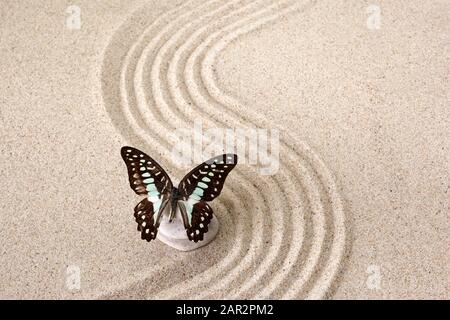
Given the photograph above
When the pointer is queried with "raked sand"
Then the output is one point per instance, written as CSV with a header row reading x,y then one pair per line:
x,y
359,207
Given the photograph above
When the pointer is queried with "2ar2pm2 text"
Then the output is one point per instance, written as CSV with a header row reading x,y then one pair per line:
x,y
226,309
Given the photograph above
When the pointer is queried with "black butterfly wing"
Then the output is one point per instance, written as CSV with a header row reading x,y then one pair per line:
x,y
148,178
209,177
145,175
196,218
147,220
201,184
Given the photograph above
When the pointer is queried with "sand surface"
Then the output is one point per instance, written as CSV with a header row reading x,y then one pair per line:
x,y
359,207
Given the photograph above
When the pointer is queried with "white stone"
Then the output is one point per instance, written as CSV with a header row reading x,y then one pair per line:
x,y
174,234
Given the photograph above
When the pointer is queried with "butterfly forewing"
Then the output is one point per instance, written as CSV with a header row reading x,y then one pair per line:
x,y
145,175
205,182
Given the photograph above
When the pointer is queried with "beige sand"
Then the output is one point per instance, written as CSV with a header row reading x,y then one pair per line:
x,y
358,209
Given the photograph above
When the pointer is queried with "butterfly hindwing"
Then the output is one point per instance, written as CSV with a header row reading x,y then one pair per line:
x,y
145,175
196,219
147,219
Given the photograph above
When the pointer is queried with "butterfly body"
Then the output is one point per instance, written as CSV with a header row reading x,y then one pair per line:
x,y
200,185
174,198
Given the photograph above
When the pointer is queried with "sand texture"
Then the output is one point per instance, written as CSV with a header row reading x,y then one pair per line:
x,y
359,207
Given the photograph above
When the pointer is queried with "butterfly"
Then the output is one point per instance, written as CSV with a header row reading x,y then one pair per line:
x,y
201,185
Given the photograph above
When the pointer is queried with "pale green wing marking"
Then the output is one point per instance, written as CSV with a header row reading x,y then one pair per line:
x,y
189,205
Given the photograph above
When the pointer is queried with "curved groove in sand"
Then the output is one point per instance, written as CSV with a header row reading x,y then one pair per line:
x,y
337,210
317,242
338,244
180,70
273,252
125,95
273,249
156,79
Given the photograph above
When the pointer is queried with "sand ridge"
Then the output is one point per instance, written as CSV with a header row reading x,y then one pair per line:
x,y
163,78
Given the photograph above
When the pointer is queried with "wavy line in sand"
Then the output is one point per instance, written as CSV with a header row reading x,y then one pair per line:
x,y
337,249
156,85
154,80
129,112
302,268
295,244
273,250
